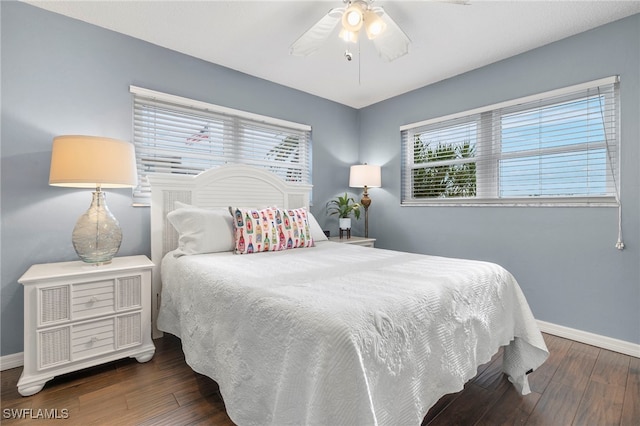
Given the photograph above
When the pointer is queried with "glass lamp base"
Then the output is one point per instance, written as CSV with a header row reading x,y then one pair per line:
x,y
97,234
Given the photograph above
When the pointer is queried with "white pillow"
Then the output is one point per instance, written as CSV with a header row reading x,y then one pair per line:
x,y
316,231
181,205
202,230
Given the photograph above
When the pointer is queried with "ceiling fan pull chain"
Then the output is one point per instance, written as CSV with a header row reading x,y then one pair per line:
x,y
359,62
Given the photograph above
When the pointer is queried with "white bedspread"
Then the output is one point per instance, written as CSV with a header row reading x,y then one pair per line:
x,y
344,335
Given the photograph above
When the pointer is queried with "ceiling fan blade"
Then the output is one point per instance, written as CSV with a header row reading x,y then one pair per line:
x,y
392,43
315,36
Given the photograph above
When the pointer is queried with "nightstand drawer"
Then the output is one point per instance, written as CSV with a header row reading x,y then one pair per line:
x,y
78,341
93,338
89,299
93,299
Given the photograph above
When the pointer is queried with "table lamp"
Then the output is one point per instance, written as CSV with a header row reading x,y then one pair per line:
x,y
94,162
365,176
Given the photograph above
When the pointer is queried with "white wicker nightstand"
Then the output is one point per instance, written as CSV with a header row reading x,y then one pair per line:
x,y
359,241
78,315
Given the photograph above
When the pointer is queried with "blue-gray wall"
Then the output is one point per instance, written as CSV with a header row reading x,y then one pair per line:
x,y
61,76
563,258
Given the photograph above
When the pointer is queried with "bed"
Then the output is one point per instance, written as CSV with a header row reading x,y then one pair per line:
x,y
331,333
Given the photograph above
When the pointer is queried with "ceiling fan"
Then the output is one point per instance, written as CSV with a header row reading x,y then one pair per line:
x,y
389,40
387,37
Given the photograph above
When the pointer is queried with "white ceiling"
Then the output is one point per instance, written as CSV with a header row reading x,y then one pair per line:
x,y
254,37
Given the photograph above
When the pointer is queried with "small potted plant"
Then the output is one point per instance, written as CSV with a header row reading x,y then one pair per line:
x,y
344,206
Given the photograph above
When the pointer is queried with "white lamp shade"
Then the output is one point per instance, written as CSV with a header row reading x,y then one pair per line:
x,y
365,175
352,18
374,25
91,162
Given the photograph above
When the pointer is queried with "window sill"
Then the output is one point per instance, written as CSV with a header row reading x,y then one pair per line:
x,y
515,202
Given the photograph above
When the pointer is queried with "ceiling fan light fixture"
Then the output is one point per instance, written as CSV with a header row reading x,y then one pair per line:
x,y
352,18
373,24
349,36
388,39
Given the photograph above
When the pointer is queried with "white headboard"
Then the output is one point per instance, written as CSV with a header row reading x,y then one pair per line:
x,y
224,186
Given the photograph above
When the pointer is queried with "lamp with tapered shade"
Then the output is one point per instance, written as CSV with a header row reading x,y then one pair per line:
x,y
94,162
365,176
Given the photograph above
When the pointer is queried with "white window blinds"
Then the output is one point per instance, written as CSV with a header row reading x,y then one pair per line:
x,y
559,147
184,136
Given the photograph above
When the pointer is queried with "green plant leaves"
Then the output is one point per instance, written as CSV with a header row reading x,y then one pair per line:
x,y
343,206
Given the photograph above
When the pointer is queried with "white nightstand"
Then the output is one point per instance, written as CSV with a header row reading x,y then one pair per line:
x,y
358,241
78,315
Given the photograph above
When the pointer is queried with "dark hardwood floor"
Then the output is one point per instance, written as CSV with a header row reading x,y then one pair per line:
x,y
578,385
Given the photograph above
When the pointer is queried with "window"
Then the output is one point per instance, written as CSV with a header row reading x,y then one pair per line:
x,y
175,135
558,147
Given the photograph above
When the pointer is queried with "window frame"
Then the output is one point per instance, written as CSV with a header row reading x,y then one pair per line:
x,y
488,122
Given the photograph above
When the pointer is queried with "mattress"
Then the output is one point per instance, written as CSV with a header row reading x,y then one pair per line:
x,y
339,334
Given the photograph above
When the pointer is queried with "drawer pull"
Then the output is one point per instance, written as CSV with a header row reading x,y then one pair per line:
x,y
93,300
93,340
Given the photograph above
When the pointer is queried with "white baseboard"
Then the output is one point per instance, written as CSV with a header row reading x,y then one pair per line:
x,y
11,361
627,348
603,342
